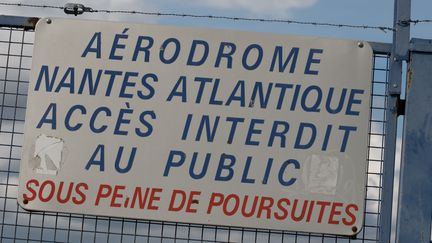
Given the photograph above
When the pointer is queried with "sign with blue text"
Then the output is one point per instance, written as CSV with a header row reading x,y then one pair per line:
x,y
199,126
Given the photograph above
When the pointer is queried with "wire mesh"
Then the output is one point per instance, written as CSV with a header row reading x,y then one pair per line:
x,y
18,225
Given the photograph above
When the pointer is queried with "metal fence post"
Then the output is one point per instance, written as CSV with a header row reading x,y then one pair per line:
x,y
401,36
415,198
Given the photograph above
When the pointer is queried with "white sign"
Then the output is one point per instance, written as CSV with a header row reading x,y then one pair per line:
x,y
196,125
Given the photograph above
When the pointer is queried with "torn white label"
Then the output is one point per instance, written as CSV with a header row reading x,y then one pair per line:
x,y
322,174
49,151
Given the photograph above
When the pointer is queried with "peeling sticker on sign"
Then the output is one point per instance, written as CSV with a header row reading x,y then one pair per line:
x,y
322,176
49,151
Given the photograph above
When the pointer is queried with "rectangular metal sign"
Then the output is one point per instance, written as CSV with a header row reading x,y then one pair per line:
x,y
196,125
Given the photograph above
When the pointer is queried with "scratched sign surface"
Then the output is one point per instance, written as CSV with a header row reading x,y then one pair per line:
x,y
200,126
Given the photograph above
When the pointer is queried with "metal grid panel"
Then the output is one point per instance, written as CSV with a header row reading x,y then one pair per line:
x,y
18,225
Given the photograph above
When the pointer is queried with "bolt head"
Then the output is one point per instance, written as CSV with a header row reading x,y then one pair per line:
x,y
360,44
48,21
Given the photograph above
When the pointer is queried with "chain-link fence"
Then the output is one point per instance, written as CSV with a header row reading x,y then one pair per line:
x,y
18,225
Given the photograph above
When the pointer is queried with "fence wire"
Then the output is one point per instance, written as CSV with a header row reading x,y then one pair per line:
x,y
18,225
77,9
